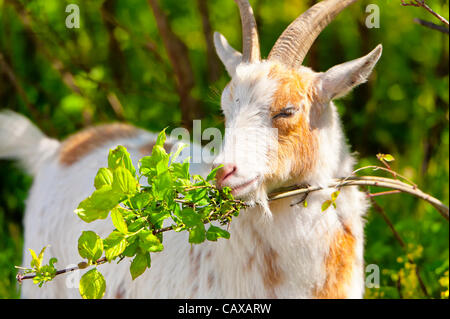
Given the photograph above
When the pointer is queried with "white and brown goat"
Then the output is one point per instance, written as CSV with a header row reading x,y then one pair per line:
x,y
277,249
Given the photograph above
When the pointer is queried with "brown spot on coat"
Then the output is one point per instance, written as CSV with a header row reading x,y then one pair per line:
x,y
272,274
84,142
339,265
211,279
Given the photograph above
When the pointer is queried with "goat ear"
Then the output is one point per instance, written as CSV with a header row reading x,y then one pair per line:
x,y
229,56
340,79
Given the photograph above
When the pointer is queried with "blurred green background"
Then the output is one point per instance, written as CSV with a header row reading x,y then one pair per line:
x,y
151,63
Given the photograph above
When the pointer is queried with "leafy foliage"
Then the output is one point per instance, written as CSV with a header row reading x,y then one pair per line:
x,y
138,213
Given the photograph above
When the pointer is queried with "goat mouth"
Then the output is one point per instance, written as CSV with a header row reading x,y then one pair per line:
x,y
238,189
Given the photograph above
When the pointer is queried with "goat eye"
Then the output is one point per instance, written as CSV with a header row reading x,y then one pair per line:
x,y
286,112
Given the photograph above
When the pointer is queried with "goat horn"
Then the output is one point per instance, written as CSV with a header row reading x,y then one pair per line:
x,y
295,42
250,41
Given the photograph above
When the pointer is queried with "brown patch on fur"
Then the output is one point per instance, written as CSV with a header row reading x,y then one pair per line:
x,y
120,293
147,148
250,262
272,274
211,279
297,140
82,143
194,259
339,266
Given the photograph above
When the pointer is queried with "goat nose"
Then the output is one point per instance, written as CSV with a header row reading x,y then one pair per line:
x,y
227,170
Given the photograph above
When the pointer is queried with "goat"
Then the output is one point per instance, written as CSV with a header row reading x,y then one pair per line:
x,y
277,249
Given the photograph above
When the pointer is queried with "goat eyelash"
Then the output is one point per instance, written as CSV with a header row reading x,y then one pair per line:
x,y
286,112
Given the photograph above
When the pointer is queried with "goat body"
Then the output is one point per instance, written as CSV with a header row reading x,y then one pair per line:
x,y
279,249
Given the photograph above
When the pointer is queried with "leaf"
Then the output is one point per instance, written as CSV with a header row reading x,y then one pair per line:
x,y
140,200
181,170
41,255
197,234
92,285
139,264
214,233
34,259
385,157
161,139
175,156
90,245
98,205
325,205
124,182
118,220
119,157
335,195
162,186
114,244
104,177
189,217
212,175
149,242
130,251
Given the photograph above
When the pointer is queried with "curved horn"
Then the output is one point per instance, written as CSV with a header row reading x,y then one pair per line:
x,y
295,42
250,41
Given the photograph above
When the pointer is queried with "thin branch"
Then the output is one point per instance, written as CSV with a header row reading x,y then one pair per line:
x,y
369,181
421,3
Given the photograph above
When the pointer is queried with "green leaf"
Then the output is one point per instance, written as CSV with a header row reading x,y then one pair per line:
x,y
119,157
157,218
140,200
41,255
325,205
139,264
385,157
90,245
162,186
197,234
175,156
214,233
104,177
35,263
335,195
92,285
131,249
149,242
189,217
212,175
118,220
181,170
124,182
161,139
98,205
114,244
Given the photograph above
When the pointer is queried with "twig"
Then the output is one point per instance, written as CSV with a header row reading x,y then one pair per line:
x,y
421,3
100,261
369,181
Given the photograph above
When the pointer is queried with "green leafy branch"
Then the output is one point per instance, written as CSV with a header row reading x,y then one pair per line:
x,y
139,214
